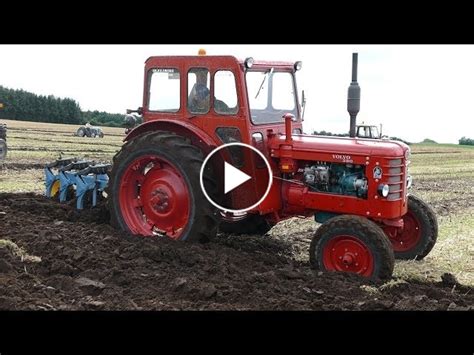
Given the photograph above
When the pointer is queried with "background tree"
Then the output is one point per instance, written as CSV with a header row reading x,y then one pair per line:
x,y
26,106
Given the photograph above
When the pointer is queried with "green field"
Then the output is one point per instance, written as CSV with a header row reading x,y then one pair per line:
x,y
443,176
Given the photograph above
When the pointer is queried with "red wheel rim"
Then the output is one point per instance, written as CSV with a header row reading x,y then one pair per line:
x,y
409,237
348,253
154,198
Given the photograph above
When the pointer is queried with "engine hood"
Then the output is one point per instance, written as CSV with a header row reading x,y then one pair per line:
x,y
343,145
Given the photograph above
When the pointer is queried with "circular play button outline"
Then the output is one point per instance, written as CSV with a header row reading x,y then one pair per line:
x,y
270,177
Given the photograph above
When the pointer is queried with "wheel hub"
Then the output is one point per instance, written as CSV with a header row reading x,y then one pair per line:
x,y
154,197
348,253
348,259
159,200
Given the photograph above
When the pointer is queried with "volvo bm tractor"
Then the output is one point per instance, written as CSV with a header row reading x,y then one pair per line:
x,y
165,182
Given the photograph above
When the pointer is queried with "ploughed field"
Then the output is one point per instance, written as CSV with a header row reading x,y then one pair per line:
x,y
53,257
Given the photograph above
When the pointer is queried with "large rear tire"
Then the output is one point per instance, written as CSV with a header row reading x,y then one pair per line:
x,y
154,189
352,244
3,149
419,234
81,132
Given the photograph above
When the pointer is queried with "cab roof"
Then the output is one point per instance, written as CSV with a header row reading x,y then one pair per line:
x,y
213,59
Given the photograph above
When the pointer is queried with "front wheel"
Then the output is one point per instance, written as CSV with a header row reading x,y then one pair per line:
x,y
352,244
154,189
419,234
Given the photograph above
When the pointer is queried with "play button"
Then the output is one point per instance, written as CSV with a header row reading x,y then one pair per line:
x,y
235,177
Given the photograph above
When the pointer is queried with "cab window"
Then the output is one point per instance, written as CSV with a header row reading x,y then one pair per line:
x,y
198,90
271,95
164,89
225,92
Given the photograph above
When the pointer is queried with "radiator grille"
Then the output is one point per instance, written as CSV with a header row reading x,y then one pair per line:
x,y
396,179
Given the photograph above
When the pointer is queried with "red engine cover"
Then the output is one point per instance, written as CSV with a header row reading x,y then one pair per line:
x,y
390,156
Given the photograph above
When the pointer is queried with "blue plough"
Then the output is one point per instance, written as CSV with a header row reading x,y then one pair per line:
x,y
85,178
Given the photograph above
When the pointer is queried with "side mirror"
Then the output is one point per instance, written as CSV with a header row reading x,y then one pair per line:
x,y
303,104
138,110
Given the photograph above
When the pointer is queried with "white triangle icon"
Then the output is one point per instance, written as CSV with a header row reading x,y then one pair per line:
x,y
233,177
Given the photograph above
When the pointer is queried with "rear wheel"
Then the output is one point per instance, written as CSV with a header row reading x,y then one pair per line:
x,y
3,149
419,234
81,132
352,244
154,189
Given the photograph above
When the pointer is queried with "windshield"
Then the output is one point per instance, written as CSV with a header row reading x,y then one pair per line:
x,y
368,132
271,95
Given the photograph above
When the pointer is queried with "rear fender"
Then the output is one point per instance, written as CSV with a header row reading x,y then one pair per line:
x,y
198,138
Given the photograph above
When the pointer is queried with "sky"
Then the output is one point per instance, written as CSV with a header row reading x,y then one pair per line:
x,y
414,91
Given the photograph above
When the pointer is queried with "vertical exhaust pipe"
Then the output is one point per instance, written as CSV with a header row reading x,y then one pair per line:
x,y
353,97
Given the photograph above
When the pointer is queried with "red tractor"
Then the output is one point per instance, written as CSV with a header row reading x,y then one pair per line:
x,y
356,188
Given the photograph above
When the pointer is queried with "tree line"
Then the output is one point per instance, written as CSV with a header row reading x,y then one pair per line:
x,y
466,141
25,106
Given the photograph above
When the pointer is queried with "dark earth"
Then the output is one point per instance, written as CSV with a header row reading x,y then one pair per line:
x,y
87,265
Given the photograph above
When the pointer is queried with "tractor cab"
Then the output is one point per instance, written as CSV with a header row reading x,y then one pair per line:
x,y
227,99
368,131
216,100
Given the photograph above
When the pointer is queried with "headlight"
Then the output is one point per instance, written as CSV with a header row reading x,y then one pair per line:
x,y
409,181
249,62
298,65
384,189
407,153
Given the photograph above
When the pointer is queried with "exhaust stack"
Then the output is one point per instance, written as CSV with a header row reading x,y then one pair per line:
x,y
353,97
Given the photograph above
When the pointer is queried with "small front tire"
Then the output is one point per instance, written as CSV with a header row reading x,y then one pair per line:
x,y
419,234
352,244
